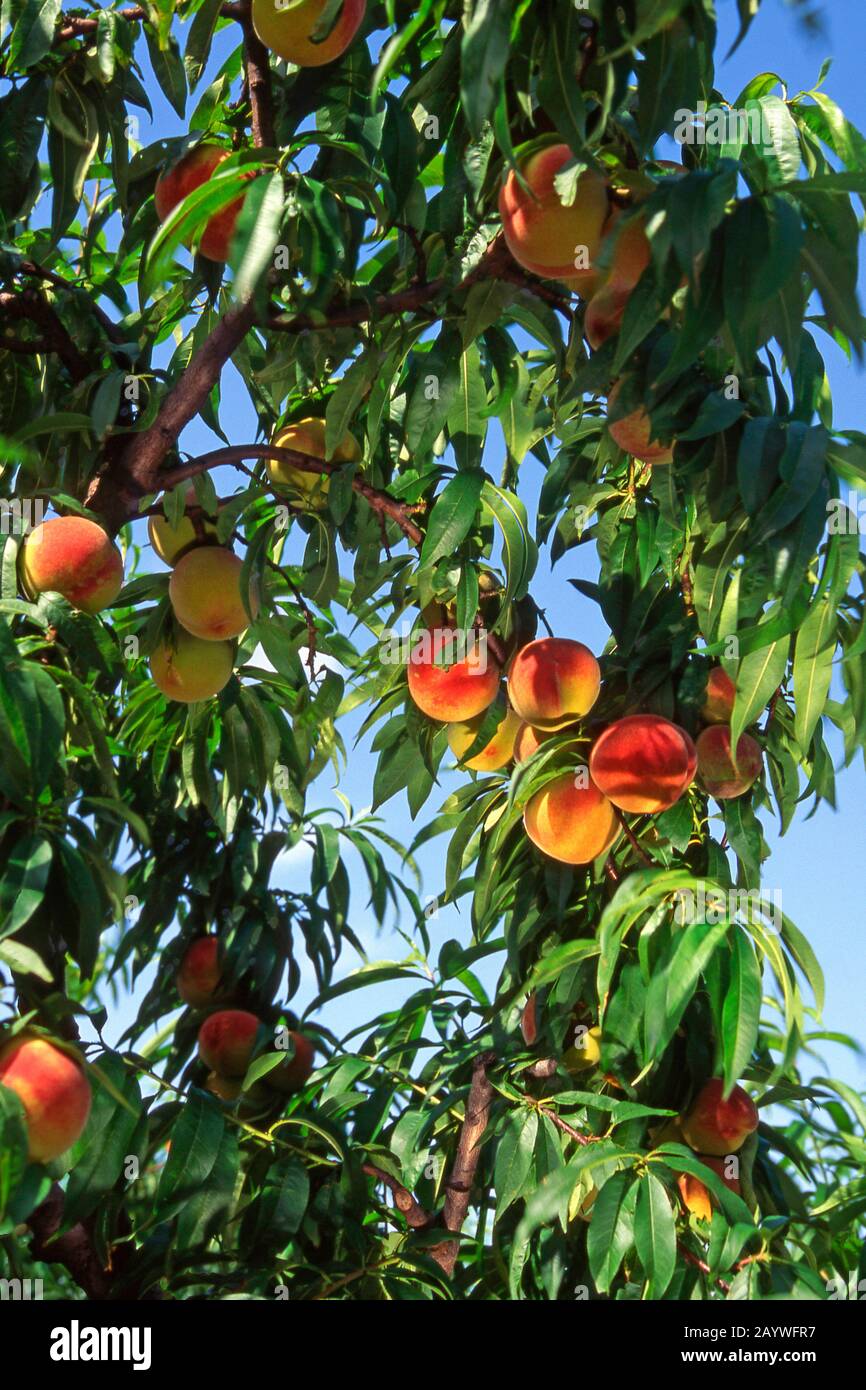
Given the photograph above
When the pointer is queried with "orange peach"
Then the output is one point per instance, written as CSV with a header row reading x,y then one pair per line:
x,y
205,593
495,754
571,822
643,763
528,741
308,437
464,685
630,258
542,234
696,1196
200,973
187,668
72,556
552,682
188,173
719,704
288,30
633,433
226,1041
722,775
292,1074
716,1124
53,1089
171,542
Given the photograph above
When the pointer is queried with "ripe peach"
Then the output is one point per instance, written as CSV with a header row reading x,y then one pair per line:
x,y
718,1125
571,823
542,234
287,31
462,688
308,437
643,763
200,973
696,1196
585,1053
633,433
53,1089
190,172
723,776
205,594
719,704
226,1041
552,682
528,741
294,1073
606,308
496,753
72,556
171,542
187,668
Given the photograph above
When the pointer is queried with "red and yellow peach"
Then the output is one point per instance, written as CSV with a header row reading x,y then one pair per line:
x,y
205,593
718,1124
51,1085
188,173
460,689
643,763
226,1041
288,30
200,972
496,753
720,773
72,556
570,820
552,682
187,668
544,235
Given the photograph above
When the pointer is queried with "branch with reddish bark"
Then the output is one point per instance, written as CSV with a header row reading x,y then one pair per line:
x,y
257,65
415,1215
459,1185
380,501
75,27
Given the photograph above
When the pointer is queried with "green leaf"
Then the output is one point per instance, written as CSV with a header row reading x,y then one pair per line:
x,y
514,1156
483,57
22,887
611,1231
198,43
452,517
195,1143
256,234
741,1011
655,1234
33,24
168,69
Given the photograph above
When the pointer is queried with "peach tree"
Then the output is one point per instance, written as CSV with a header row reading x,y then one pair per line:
x,y
498,286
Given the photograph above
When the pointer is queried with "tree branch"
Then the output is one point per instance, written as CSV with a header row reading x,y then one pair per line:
x,y
380,501
40,272
258,69
76,27
463,1172
121,483
411,1208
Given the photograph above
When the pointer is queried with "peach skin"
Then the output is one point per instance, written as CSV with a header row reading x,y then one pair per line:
x,y
552,682
542,234
53,1089
643,763
571,823
456,691
716,1124
719,773
205,594
72,556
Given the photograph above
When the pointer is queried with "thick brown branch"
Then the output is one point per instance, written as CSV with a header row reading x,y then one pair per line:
x,y
74,1249
380,501
459,1186
118,487
411,1208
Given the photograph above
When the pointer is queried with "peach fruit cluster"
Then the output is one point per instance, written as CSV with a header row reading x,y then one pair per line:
x,y
641,764
716,1126
196,659
227,1037
592,245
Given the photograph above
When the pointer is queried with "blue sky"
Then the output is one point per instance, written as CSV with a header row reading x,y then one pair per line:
x,y
818,865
